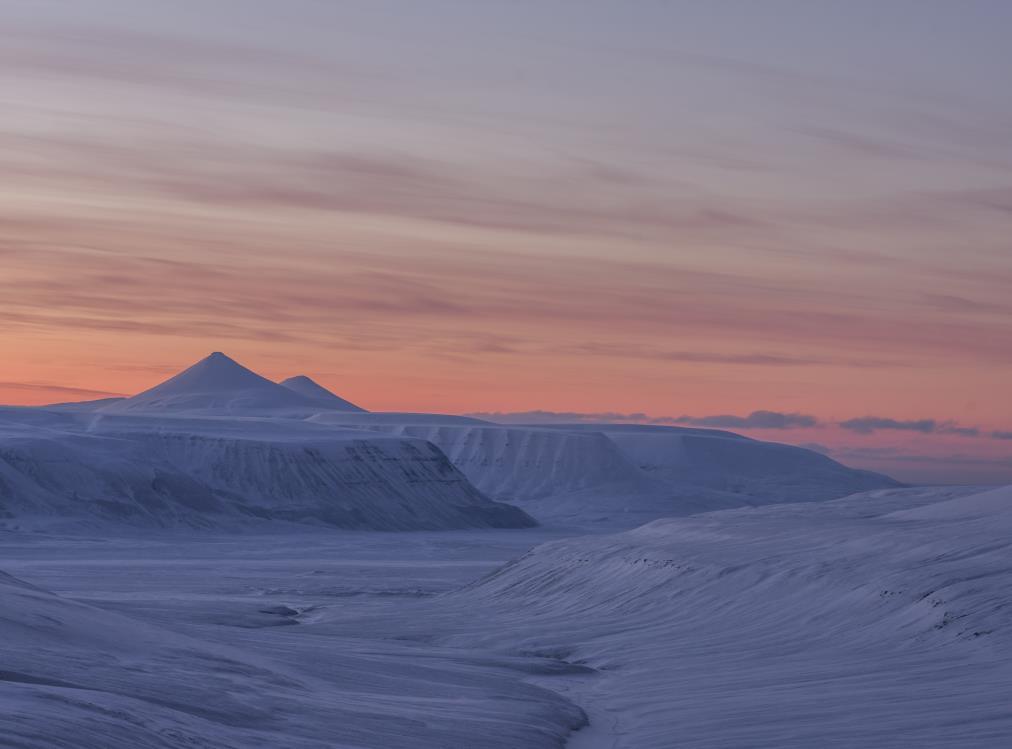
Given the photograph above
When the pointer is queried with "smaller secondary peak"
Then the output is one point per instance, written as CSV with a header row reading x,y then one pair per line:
x,y
303,380
308,387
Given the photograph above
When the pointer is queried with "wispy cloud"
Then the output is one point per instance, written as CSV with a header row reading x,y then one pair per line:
x,y
855,144
872,424
173,64
560,417
57,390
755,420
760,359
898,455
569,197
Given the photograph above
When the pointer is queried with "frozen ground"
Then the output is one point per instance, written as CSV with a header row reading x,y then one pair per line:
x,y
210,642
876,620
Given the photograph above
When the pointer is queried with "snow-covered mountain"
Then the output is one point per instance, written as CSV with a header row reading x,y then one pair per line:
x,y
218,445
59,468
622,474
759,472
619,475
218,385
516,462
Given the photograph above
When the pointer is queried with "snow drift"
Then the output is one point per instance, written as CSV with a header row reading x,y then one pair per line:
x,y
881,619
993,507
76,675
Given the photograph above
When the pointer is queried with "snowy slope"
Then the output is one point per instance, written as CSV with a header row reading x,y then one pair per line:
x,y
307,387
883,619
93,405
759,472
150,471
78,676
393,419
622,475
993,507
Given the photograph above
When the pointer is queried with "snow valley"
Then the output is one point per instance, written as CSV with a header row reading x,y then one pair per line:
x,y
226,561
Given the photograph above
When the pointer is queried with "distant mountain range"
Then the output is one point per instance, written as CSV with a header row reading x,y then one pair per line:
x,y
218,444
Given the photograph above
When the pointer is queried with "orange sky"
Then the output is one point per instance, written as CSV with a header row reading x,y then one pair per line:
x,y
591,219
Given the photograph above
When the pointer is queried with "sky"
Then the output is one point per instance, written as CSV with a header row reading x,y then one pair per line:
x,y
681,212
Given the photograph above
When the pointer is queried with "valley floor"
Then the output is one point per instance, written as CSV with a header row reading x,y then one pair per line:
x,y
247,607
866,621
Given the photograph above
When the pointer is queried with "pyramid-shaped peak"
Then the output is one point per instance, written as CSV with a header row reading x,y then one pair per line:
x,y
212,373
217,383
306,385
309,388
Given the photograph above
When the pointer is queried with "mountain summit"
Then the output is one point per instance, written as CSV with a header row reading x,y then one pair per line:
x,y
214,373
308,387
218,384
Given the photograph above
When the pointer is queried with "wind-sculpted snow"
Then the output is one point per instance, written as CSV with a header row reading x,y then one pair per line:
x,y
993,507
880,620
74,675
56,468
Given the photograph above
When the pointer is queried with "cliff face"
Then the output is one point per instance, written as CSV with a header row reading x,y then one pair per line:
x,y
622,474
206,473
525,464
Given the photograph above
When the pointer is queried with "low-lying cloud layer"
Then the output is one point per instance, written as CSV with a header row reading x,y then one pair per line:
x,y
873,424
57,390
757,420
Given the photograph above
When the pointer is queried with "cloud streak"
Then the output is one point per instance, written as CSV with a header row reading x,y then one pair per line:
x,y
754,420
873,424
42,387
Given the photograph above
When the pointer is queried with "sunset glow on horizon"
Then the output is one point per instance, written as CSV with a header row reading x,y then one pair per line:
x,y
665,212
